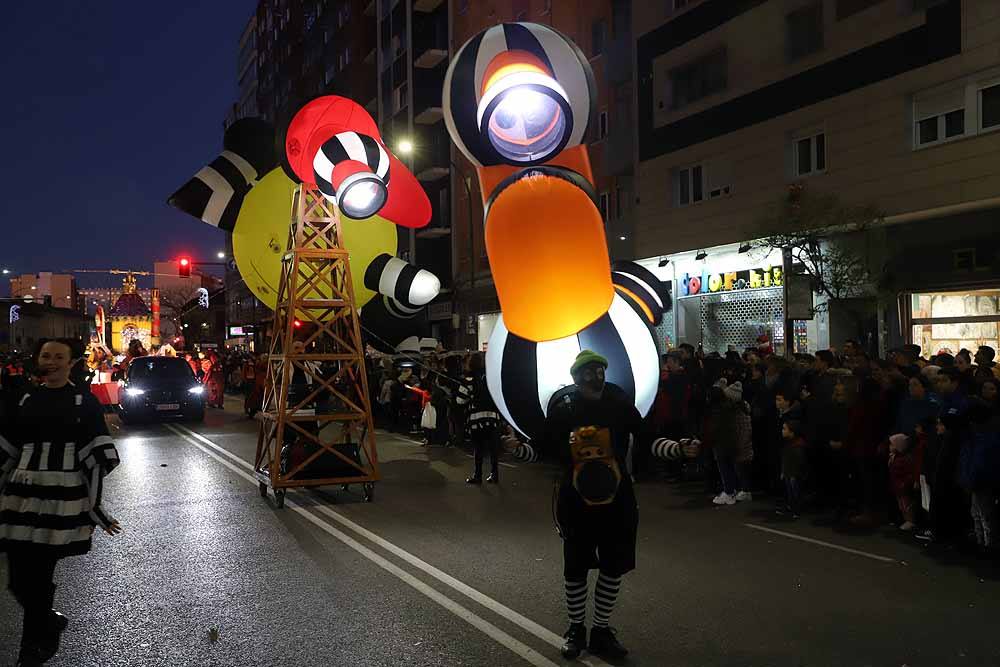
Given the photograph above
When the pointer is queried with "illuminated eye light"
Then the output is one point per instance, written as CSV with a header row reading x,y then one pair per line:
x,y
361,195
526,116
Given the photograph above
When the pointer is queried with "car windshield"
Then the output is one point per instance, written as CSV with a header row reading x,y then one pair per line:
x,y
159,368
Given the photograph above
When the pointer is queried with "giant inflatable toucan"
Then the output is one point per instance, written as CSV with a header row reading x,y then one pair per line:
x,y
518,99
331,143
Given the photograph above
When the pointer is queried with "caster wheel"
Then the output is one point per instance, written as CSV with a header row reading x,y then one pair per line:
x,y
368,492
263,489
279,499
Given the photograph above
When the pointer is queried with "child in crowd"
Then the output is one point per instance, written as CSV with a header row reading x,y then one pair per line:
x,y
792,466
904,468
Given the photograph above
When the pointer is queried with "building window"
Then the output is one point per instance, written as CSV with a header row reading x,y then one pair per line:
x,y
804,32
810,154
698,79
604,205
847,8
939,128
598,35
602,125
689,185
989,107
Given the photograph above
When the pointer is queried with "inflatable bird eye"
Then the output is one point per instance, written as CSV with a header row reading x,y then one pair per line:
x,y
518,94
352,171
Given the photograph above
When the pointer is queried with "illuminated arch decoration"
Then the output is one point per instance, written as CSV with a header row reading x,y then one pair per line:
x,y
518,99
335,145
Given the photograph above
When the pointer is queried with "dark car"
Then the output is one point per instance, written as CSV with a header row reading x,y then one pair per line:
x,y
158,387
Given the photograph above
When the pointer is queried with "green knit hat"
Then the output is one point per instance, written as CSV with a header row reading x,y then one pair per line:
x,y
587,357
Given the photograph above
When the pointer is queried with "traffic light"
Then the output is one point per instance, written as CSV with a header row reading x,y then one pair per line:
x,y
184,267
297,324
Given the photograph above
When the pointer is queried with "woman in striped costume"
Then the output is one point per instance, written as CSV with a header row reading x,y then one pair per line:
x,y
54,453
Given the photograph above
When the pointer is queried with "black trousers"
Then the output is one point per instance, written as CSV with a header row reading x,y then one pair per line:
x,y
487,442
31,572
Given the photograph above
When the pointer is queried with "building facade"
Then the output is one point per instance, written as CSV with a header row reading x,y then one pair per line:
x,y
53,289
891,104
34,321
412,58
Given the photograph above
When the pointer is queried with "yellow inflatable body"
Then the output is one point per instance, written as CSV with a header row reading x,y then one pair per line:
x,y
261,235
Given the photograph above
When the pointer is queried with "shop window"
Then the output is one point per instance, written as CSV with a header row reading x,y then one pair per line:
x,y
810,154
989,108
955,320
699,79
804,32
847,8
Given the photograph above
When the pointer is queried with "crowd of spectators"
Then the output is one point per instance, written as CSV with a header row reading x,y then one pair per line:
x,y
911,439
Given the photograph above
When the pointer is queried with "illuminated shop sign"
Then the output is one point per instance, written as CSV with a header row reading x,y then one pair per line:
x,y
731,281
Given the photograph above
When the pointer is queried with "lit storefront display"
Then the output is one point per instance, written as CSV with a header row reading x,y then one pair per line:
x,y
955,320
727,300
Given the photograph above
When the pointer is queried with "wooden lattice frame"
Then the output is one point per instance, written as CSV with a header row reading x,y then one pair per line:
x,y
316,289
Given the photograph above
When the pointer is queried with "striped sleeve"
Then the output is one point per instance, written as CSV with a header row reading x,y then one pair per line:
x,y
9,456
464,393
98,458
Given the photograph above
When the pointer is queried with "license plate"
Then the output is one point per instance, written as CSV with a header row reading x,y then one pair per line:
x,y
168,406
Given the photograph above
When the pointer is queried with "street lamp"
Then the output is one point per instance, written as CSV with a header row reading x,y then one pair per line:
x,y
6,271
220,255
405,147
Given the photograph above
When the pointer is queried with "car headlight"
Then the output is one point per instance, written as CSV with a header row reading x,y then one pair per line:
x,y
134,391
196,390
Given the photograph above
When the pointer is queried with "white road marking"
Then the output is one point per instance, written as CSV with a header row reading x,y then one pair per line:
x,y
821,543
498,608
529,654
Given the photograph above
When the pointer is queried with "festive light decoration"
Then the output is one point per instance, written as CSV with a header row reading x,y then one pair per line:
x,y
518,99
202,297
15,313
332,144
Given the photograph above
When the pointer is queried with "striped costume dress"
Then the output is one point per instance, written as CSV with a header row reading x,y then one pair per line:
x,y
54,455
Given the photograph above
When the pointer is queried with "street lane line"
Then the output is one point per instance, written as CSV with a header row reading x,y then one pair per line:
x,y
821,543
496,607
529,654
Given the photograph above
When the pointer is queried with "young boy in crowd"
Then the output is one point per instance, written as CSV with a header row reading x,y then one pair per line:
x,y
792,466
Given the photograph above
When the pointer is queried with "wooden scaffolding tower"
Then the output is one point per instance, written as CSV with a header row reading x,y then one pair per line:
x,y
317,424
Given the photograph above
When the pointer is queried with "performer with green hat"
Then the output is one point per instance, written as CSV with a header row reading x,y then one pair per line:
x,y
587,427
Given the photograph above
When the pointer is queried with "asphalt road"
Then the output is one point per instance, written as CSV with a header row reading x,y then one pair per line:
x,y
435,572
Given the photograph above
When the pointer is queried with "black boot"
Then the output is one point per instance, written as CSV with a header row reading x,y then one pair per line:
x,y
30,656
55,626
475,479
576,639
604,643
493,479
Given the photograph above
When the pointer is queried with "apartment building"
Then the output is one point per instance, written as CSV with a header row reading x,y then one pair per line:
x,y
888,103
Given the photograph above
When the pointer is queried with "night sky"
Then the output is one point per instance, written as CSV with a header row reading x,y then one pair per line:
x,y
108,107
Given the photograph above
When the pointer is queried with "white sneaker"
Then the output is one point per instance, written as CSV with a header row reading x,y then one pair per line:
x,y
724,499
743,495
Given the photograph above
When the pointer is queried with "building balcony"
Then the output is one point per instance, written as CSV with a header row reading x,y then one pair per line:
x,y
427,108
430,40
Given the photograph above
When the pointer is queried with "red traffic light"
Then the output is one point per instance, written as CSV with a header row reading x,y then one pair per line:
x,y
184,267
297,324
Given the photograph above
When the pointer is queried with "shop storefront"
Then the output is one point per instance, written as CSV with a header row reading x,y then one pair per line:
x,y
952,321
725,300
